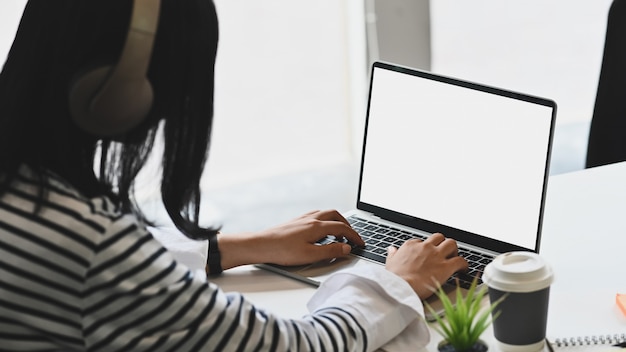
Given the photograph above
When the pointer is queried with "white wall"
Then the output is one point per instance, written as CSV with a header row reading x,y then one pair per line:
x,y
547,48
10,14
289,92
282,91
282,88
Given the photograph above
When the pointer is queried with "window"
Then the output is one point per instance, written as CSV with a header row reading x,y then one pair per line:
x,y
551,49
291,87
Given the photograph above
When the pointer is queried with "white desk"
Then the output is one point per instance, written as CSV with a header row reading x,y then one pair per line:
x,y
584,239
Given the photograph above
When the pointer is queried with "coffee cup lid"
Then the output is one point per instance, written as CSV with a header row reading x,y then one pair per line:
x,y
518,272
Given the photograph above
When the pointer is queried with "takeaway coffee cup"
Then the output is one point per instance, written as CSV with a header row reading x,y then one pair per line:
x,y
524,279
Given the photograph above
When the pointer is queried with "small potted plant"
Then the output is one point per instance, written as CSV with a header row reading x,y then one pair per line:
x,y
463,323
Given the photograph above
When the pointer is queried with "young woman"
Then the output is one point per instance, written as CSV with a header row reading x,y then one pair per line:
x,y
79,268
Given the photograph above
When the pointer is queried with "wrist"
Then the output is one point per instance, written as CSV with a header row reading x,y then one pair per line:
x,y
240,249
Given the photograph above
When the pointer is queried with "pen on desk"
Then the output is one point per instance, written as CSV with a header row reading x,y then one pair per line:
x,y
549,345
621,344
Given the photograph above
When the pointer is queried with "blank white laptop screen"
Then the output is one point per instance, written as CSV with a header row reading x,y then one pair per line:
x,y
465,158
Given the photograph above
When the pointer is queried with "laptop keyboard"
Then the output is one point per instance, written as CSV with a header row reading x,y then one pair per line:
x,y
378,237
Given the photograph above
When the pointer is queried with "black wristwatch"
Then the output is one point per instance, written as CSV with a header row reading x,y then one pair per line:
x,y
215,259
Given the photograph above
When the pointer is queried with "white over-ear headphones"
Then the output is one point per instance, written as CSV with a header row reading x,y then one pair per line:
x,y
109,101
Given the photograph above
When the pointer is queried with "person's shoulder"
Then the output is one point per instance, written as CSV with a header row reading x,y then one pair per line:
x,y
64,206
46,215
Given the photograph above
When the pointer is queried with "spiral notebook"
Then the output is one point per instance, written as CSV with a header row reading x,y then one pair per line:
x,y
593,324
614,342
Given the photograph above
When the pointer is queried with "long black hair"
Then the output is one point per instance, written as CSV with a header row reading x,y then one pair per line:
x,y
55,41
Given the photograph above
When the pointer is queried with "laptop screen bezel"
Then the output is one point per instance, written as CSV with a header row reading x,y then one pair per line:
x,y
432,227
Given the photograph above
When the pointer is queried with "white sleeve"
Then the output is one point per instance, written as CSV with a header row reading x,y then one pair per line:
x,y
393,316
190,252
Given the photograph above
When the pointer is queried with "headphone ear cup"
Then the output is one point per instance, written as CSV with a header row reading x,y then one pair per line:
x,y
109,101
105,105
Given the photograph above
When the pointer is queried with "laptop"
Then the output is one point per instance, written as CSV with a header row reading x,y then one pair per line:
x,y
442,154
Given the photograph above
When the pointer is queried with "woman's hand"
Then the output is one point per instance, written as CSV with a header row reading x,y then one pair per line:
x,y
292,243
423,264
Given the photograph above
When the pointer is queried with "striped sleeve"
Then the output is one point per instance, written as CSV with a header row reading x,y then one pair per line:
x,y
80,276
43,260
137,297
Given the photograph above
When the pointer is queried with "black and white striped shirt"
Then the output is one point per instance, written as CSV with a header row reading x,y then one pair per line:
x,y
79,275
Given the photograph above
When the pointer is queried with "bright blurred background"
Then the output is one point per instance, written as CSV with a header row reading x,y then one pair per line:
x,y
292,82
